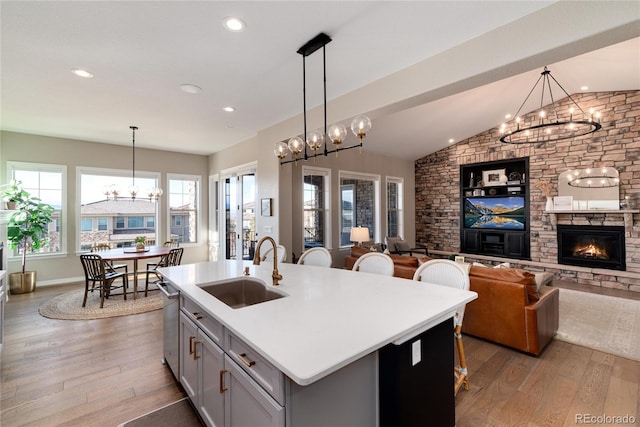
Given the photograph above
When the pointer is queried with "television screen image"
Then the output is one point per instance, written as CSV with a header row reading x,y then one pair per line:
x,y
503,213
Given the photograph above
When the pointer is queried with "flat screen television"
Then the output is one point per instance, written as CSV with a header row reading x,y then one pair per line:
x,y
497,213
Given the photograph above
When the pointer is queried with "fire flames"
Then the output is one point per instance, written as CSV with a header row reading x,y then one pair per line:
x,y
591,250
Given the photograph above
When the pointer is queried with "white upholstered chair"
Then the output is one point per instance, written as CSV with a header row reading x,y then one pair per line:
x,y
320,257
374,262
448,273
268,255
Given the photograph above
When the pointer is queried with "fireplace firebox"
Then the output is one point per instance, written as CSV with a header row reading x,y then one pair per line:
x,y
592,246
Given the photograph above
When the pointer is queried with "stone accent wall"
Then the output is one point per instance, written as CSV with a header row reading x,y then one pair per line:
x,y
617,144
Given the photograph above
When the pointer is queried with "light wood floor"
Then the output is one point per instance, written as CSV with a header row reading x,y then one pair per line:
x,y
104,372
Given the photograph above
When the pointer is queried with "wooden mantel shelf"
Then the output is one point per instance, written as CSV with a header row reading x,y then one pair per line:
x,y
628,214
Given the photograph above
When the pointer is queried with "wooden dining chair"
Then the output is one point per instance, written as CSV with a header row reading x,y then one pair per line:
x,y
452,274
97,276
173,258
109,265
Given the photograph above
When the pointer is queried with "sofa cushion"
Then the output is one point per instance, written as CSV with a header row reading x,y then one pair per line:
x,y
409,261
358,251
509,275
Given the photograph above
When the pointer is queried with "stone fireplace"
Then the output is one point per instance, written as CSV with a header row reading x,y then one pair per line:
x,y
592,246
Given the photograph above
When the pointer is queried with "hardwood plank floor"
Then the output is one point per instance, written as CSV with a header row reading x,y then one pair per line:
x,y
104,372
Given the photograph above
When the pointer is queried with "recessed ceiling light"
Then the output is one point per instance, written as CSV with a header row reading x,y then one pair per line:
x,y
82,73
191,88
584,88
229,109
451,141
507,116
234,24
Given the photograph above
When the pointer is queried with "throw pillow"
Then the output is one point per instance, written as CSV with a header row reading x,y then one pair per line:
x,y
542,278
477,264
402,246
503,265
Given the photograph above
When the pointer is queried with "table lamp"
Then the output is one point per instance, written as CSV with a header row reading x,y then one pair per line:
x,y
359,235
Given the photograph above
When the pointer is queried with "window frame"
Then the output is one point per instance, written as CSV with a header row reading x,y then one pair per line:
x,y
60,222
361,176
198,209
400,208
121,173
325,173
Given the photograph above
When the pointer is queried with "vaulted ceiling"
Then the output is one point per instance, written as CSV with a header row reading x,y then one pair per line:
x,y
141,52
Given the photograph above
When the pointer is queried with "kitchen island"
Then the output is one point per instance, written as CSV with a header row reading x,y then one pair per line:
x,y
322,344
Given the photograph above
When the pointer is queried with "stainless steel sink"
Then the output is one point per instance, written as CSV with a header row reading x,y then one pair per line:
x,y
241,292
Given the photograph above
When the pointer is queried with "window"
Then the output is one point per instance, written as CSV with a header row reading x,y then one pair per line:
x,y
359,204
394,207
115,221
316,184
86,224
184,208
46,182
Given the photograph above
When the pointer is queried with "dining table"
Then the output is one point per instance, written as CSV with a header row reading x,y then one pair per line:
x,y
133,254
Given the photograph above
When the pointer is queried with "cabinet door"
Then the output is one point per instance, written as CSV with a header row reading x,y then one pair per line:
x,y
211,359
471,241
516,245
188,365
246,403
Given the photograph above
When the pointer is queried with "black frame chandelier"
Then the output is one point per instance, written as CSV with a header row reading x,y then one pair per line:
x,y
315,141
551,124
604,177
113,191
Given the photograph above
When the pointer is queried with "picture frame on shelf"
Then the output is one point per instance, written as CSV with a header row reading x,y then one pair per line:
x,y
492,177
563,203
266,207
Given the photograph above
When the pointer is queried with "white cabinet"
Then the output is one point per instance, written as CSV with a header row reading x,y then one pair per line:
x,y
223,393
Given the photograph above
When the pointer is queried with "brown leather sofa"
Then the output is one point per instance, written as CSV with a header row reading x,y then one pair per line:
x,y
509,310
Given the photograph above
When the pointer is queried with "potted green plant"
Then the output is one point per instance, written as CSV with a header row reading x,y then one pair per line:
x,y
140,242
26,230
12,193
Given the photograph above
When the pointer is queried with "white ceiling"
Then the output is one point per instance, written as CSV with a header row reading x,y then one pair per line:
x,y
141,52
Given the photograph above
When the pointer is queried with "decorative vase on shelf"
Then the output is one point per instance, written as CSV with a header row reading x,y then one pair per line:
x,y
549,206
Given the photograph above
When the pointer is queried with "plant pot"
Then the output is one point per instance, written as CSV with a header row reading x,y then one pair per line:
x,y
140,246
11,206
22,283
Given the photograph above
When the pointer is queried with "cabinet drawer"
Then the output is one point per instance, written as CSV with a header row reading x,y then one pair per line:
x,y
208,324
265,374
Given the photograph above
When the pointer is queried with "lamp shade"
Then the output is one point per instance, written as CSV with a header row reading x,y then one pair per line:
x,y
359,234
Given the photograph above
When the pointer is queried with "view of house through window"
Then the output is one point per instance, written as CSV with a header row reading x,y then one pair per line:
x,y
315,207
115,221
45,182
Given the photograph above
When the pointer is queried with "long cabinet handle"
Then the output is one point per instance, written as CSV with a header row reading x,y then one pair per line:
x,y
222,387
191,338
243,359
195,350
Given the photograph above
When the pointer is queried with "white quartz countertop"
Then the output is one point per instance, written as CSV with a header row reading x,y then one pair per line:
x,y
330,317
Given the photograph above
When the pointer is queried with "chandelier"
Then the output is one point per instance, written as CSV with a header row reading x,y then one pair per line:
x,y
550,124
594,178
315,141
113,191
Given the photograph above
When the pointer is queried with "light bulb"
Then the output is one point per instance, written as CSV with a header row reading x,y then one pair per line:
x,y
295,145
337,133
280,150
315,139
360,126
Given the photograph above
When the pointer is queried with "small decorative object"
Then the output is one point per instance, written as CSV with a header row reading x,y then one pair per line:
x,y
140,242
480,184
492,192
492,177
471,180
515,176
563,203
549,205
459,259
545,186
266,207
452,257
513,190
